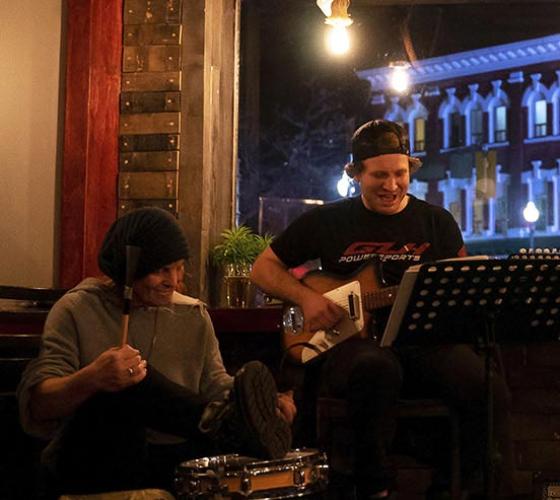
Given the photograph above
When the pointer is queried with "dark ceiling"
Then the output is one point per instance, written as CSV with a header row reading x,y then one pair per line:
x,y
436,28
288,36
292,31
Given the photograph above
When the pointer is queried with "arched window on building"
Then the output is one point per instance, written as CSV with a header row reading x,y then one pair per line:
x,y
476,125
474,113
451,113
540,118
419,128
535,99
456,132
458,199
543,189
555,100
416,116
500,123
497,107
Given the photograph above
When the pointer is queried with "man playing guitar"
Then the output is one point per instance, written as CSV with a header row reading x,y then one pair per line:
x,y
387,225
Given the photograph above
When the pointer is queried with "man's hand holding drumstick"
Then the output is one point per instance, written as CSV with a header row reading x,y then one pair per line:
x,y
132,257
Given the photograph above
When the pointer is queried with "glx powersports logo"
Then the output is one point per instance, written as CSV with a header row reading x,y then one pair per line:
x,y
365,250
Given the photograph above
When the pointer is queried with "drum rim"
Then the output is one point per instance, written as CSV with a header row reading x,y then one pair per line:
x,y
304,455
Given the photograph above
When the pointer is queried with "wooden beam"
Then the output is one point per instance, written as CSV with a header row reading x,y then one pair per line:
x,y
90,161
207,163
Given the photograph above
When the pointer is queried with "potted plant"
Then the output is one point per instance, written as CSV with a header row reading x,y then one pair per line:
x,y
234,256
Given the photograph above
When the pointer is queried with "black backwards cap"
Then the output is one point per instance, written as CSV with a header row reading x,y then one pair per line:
x,y
382,137
155,231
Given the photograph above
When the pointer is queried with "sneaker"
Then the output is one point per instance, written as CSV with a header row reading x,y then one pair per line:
x,y
247,422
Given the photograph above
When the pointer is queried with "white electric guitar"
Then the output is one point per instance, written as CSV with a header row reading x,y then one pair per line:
x,y
358,294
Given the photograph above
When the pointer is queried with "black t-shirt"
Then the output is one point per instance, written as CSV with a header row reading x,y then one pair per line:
x,y
344,235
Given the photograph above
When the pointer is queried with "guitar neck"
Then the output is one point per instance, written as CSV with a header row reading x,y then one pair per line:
x,y
379,298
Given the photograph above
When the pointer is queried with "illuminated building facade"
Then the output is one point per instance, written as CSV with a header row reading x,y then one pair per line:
x,y
486,124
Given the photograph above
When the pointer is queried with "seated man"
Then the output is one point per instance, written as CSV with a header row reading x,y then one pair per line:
x,y
123,417
386,225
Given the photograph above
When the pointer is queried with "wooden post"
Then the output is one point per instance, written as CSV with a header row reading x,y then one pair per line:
x,y
208,163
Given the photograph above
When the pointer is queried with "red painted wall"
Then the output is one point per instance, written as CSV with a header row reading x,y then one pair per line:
x,y
90,156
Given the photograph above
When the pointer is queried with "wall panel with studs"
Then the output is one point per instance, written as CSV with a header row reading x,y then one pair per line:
x,y
150,107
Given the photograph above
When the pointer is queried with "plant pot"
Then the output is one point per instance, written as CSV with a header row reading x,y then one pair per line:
x,y
237,285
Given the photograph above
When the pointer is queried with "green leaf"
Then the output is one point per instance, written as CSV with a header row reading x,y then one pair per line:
x,y
239,245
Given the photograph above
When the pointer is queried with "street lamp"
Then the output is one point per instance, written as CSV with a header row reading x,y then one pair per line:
x,y
531,215
400,79
345,186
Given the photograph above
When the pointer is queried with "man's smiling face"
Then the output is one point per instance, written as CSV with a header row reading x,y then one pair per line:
x,y
384,182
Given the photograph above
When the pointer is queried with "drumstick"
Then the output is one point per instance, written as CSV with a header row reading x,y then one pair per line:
x,y
132,256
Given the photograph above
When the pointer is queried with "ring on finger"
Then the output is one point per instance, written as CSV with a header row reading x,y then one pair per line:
x,y
131,371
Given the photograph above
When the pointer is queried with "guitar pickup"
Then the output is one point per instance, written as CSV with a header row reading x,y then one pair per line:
x,y
353,306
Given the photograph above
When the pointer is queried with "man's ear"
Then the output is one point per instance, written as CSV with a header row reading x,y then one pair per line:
x,y
353,169
414,164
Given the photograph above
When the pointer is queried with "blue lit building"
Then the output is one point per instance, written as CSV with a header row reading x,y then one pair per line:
x,y
486,124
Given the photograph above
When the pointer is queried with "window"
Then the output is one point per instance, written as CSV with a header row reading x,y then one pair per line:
x,y
540,118
419,134
476,126
456,135
500,124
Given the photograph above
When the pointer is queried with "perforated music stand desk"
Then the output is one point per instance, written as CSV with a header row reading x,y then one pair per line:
x,y
477,302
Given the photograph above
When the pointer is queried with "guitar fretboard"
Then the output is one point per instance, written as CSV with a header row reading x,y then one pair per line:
x,y
380,298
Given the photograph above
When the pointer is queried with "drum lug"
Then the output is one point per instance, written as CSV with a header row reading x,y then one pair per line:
x,y
319,472
194,484
188,486
246,486
299,475
221,492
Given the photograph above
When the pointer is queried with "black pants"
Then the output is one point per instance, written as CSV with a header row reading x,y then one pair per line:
x,y
103,446
371,379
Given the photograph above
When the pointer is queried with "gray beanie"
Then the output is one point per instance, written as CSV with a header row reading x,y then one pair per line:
x,y
155,231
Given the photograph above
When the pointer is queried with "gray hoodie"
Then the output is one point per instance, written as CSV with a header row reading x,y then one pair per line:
x,y
178,340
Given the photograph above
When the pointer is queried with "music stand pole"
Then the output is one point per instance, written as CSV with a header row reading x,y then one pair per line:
x,y
491,458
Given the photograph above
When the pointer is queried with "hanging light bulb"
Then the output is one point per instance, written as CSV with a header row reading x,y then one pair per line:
x,y
338,41
400,79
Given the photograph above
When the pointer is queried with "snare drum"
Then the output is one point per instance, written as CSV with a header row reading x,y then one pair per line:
x,y
300,473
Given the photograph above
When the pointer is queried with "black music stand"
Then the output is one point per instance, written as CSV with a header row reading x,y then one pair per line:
x,y
478,302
